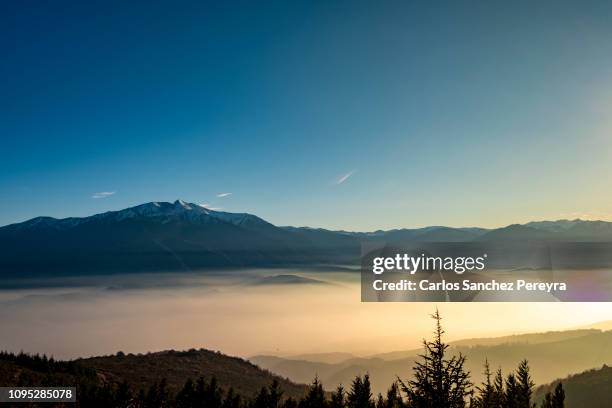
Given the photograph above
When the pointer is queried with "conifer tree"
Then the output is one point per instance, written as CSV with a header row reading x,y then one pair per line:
x,y
524,386
315,398
380,401
123,395
231,400
556,399
498,389
157,396
275,394
360,395
262,399
511,393
486,391
439,382
338,398
394,398
186,396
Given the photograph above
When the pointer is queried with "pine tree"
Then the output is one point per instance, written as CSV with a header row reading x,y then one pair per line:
x,y
275,394
360,395
558,398
498,389
231,400
524,386
486,391
438,382
380,401
157,396
123,395
315,398
547,402
186,396
337,398
394,398
511,394
262,399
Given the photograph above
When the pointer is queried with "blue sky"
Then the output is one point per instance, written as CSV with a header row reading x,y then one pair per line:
x,y
481,113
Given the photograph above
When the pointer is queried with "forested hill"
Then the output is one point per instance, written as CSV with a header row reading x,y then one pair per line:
x,y
141,371
592,388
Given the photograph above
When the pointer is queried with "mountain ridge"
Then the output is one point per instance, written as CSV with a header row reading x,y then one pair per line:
x,y
186,236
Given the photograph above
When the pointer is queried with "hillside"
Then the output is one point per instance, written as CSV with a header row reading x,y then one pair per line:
x,y
581,350
177,366
530,338
588,389
142,370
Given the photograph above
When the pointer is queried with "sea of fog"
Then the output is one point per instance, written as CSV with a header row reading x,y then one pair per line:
x,y
247,312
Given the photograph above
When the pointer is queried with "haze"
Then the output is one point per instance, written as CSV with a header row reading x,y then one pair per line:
x,y
238,313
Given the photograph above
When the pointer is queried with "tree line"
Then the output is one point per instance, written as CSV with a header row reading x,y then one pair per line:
x,y
438,381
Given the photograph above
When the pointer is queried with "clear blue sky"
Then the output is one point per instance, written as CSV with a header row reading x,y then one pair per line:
x,y
464,113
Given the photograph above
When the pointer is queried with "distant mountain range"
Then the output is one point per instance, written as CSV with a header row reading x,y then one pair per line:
x,y
551,355
186,236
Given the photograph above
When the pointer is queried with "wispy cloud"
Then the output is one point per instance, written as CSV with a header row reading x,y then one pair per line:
x,y
221,195
210,207
345,177
103,194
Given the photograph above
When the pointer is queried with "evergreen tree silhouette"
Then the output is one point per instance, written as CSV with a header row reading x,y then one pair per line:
x,y
338,398
558,399
262,399
547,402
157,396
394,398
268,397
510,395
360,395
123,395
232,400
486,391
438,382
186,396
315,398
212,397
498,389
555,400
524,386
276,394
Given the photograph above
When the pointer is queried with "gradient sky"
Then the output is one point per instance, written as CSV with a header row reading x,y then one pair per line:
x,y
353,115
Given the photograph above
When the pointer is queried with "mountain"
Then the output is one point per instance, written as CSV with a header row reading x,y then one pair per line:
x,y
160,236
516,232
140,371
286,279
164,236
530,338
177,366
579,350
588,389
332,358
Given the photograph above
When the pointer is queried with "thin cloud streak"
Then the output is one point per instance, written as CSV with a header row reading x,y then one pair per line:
x,y
103,194
345,177
221,195
210,207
